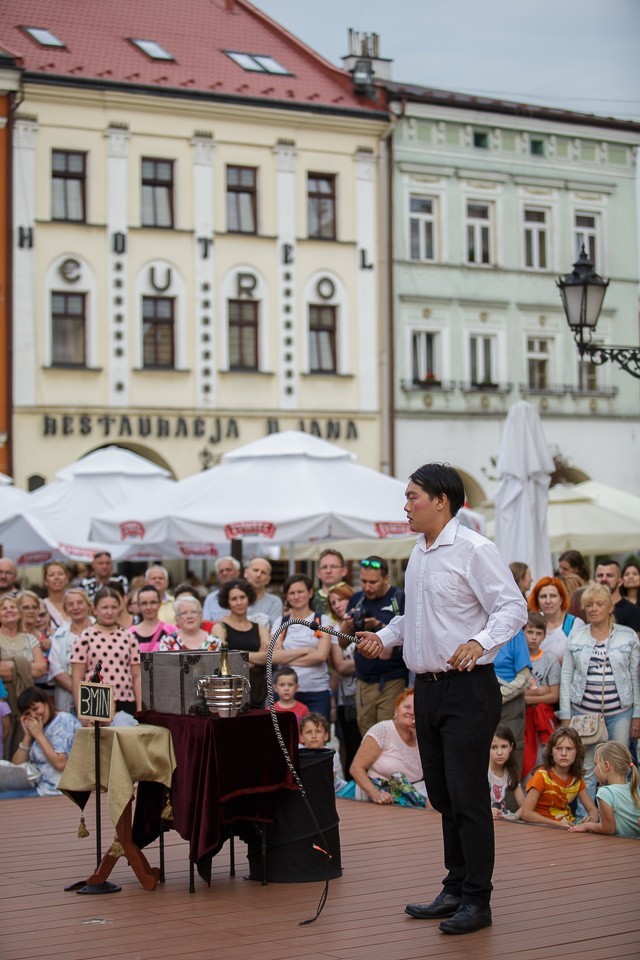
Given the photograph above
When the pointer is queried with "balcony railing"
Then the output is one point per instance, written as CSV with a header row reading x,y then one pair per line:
x,y
560,390
437,386
503,389
487,387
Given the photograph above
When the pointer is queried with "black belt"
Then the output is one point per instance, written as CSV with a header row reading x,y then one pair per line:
x,y
434,677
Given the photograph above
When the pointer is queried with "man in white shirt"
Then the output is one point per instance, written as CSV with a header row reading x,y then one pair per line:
x,y
461,605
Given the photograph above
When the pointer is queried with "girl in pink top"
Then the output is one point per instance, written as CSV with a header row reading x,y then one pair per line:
x,y
115,648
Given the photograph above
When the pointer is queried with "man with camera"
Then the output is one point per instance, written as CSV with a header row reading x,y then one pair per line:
x,y
381,680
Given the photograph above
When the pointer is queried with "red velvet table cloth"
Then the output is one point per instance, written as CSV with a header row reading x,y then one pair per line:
x,y
230,771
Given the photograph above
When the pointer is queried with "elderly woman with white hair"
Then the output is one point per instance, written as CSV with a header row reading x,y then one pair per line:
x,y
600,674
189,635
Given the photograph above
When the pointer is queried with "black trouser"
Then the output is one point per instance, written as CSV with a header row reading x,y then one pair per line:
x,y
456,717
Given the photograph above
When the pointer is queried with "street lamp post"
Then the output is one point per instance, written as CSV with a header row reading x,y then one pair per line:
x,y
582,293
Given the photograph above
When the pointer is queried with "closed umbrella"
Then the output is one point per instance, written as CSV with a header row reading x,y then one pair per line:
x,y
524,468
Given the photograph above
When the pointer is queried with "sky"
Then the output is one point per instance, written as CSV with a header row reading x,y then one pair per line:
x,y
582,55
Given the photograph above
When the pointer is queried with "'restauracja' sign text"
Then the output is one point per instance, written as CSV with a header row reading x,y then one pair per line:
x,y
211,429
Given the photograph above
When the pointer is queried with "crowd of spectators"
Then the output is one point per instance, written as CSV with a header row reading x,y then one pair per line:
x,y
577,655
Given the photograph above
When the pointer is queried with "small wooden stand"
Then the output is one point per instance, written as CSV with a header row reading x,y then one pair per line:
x,y
147,875
96,702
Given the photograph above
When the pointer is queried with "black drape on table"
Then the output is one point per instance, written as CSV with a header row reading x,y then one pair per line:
x,y
296,849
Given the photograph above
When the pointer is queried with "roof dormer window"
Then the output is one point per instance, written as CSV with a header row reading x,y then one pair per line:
x,y
152,49
44,37
258,63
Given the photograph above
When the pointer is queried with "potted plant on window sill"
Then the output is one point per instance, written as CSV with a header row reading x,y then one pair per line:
x,y
429,381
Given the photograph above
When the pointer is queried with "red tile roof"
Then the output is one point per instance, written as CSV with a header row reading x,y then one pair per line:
x,y
195,32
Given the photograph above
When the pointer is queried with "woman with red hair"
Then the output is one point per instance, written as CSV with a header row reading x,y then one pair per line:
x,y
549,597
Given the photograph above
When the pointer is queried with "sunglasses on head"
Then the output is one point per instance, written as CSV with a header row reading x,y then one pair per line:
x,y
374,564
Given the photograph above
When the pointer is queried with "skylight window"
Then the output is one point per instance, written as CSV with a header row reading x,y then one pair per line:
x,y
152,49
43,36
258,63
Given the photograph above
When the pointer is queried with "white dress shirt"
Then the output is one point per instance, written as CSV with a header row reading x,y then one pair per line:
x,y
458,589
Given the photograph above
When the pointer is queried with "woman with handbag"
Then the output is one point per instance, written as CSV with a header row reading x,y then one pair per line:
x,y
599,684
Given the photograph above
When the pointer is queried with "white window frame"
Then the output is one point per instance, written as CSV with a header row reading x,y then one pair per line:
x,y
536,231
177,290
583,369
484,377
340,301
551,356
478,224
229,291
422,219
426,368
442,360
85,283
591,237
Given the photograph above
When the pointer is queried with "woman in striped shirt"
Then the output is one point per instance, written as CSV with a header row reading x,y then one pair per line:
x,y
600,674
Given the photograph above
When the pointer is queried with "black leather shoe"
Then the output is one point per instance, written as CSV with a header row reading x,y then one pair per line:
x,y
467,919
444,905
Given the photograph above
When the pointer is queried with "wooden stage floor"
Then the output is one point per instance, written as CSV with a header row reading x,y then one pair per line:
x,y
576,897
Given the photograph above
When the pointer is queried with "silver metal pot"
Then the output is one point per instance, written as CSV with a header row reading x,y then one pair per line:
x,y
223,695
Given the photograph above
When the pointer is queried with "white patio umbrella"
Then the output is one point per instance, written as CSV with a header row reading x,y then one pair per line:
x,y
591,517
53,521
11,498
524,467
392,548
285,488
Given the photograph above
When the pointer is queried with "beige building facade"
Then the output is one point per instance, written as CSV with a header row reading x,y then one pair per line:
x,y
203,272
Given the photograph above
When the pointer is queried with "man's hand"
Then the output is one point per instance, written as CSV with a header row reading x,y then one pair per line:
x,y
369,645
635,728
466,655
347,626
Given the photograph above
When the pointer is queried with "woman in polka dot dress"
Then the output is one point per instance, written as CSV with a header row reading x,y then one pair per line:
x,y
115,648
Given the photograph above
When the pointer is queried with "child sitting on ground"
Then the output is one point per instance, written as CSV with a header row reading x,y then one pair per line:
x,y
542,695
558,782
507,796
285,684
617,797
314,734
